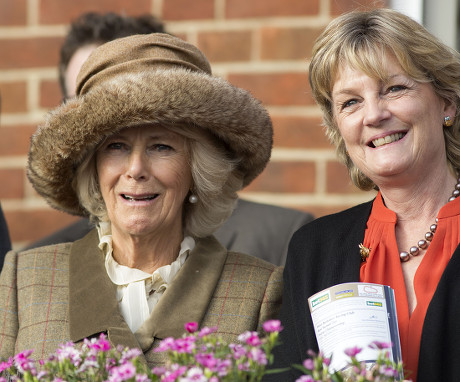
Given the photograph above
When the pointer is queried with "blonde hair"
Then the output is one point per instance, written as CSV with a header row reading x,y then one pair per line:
x,y
215,183
363,40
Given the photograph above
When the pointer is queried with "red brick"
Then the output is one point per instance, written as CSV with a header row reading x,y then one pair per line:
x,y
287,43
187,10
299,132
338,180
226,46
29,52
63,12
15,139
342,6
270,8
14,97
12,183
276,88
289,177
13,12
50,94
28,226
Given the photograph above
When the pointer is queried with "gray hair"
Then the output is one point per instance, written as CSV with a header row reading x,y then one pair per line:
x,y
215,183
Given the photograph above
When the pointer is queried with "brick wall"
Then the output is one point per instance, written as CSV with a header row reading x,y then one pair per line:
x,y
260,45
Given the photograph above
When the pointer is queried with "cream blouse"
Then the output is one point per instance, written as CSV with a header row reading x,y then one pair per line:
x,y
138,292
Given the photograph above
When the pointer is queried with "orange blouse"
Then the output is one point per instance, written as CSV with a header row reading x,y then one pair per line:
x,y
384,267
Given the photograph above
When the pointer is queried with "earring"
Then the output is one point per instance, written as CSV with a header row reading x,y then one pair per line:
x,y
448,121
193,199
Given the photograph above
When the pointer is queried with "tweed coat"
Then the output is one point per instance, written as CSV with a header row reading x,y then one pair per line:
x,y
59,293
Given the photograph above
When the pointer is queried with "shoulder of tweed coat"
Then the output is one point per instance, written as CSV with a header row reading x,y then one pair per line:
x,y
59,293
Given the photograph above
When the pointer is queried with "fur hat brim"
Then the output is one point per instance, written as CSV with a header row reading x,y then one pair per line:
x,y
176,96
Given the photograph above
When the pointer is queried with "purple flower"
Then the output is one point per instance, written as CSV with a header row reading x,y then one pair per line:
x,y
24,363
250,338
309,364
388,371
122,373
223,367
271,326
206,360
194,374
130,354
380,345
184,345
207,331
6,365
159,370
68,351
352,352
238,350
172,375
305,378
191,327
167,344
258,356
142,378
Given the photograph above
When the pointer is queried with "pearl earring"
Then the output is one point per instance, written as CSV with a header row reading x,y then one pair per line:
x,y
193,198
448,121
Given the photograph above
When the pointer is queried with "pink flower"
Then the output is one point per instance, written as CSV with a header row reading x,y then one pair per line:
x,y
238,350
380,345
258,355
68,351
191,327
194,374
250,338
167,344
309,364
142,378
184,345
206,360
172,375
122,373
305,378
24,363
130,354
6,365
352,352
207,331
271,326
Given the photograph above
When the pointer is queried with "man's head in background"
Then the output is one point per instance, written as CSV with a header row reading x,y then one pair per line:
x,y
91,30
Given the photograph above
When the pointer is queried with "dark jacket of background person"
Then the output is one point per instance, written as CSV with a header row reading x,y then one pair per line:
x,y
5,242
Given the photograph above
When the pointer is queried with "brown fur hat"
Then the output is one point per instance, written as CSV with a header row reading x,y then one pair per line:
x,y
144,79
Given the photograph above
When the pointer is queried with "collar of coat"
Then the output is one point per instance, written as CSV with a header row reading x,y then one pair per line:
x,y
93,307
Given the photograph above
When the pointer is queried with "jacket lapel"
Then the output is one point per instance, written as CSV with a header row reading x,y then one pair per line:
x,y
93,307
188,296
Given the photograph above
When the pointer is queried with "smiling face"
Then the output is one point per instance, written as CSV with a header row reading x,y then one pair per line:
x,y
144,177
391,127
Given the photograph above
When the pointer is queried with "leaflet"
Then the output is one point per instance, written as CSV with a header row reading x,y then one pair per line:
x,y
354,315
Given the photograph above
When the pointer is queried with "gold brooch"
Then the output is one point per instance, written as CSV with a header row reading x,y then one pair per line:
x,y
364,252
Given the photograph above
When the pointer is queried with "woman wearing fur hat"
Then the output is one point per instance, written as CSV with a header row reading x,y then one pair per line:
x,y
153,148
